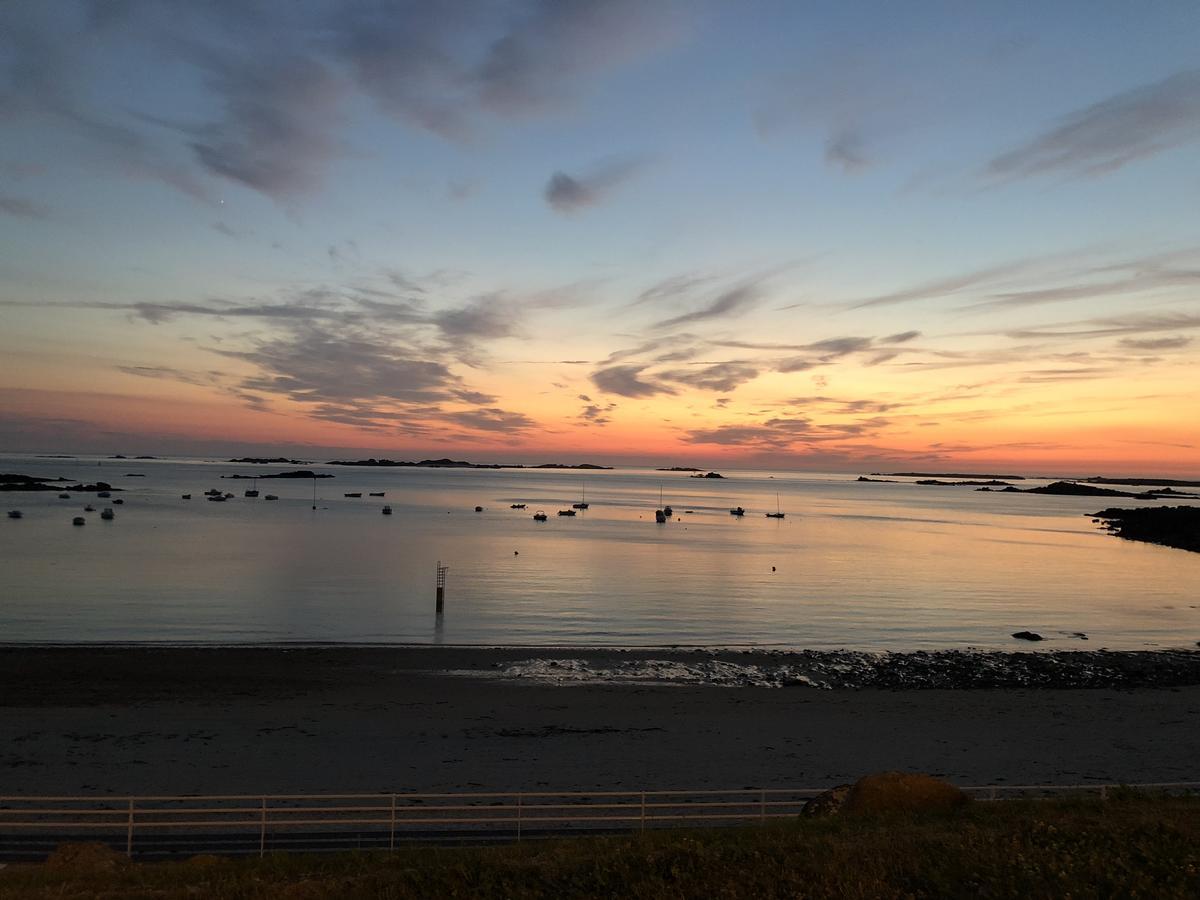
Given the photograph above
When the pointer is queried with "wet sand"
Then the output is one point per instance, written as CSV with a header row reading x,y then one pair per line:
x,y
199,720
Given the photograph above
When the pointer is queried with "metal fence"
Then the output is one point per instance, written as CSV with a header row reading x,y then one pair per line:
x,y
156,826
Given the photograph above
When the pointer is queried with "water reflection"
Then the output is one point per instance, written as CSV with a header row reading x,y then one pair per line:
x,y
861,565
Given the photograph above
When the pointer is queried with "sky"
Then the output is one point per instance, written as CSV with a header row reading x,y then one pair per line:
x,y
834,236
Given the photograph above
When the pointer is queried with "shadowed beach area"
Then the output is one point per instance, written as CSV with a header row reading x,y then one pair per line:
x,y
145,720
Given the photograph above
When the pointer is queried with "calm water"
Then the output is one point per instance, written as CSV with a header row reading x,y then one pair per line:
x,y
888,566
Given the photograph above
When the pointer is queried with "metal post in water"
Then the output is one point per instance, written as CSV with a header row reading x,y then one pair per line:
x,y
441,586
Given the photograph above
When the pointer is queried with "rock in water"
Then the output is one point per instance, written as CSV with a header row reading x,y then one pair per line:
x,y
902,792
1027,636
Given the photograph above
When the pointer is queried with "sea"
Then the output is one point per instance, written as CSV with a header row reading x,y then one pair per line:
x,y
855,565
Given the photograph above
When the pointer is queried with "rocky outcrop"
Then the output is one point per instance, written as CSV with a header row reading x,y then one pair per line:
x,y
827,804
1170,526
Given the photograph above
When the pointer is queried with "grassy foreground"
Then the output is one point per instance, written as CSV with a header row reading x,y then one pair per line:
x,y
1130,847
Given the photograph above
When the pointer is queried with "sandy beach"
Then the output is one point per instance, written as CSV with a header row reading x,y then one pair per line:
x,y
137,720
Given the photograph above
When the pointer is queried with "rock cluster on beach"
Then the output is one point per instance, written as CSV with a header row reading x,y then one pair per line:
x,y
830,669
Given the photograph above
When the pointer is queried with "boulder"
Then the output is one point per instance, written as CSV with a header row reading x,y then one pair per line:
x,y
902,792
1027,636
827,804
86,857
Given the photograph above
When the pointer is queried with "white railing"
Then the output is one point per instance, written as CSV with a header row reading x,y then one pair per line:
x,y
241,823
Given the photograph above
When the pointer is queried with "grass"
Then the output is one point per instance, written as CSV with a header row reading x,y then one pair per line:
x,y
1131,846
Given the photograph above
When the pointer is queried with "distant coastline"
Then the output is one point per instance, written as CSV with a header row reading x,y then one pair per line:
x,y
456,464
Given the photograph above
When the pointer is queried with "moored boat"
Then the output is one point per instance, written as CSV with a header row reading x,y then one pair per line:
x,y
540,516
387,510
107,514
79,520
15,514
737,511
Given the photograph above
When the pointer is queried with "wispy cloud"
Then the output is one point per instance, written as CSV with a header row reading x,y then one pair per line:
x,y
1155,344
1112,133
571,193
21,208
626,381
732,302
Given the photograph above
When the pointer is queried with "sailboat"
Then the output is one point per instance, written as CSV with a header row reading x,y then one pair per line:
x,y
582,504
253,492
777,514
661,514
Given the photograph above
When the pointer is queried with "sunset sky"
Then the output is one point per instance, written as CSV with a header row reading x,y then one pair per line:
x,y
833,236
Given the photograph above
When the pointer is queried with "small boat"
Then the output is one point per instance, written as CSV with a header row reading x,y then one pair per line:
x,y
253,492
64,496
217,498
15,514
665,511
89,508
582,504
737,511
271,497
187,496
79,520
118,501
540,516
228,496
378,493
668,512
387,510
660,516
107,514
356,494
566,512
479,509
104,494
517,506
777,514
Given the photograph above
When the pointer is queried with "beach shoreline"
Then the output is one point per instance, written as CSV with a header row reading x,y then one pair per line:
x,y
121,720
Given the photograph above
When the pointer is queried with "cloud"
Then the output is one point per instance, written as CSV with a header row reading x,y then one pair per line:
x,y
782,433
672,287
484,317
597,414
902,338
535,65
21,208
1171,343
945,286
567,194
276,132
717,377
1112,133
1143,323
732,302
626,382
